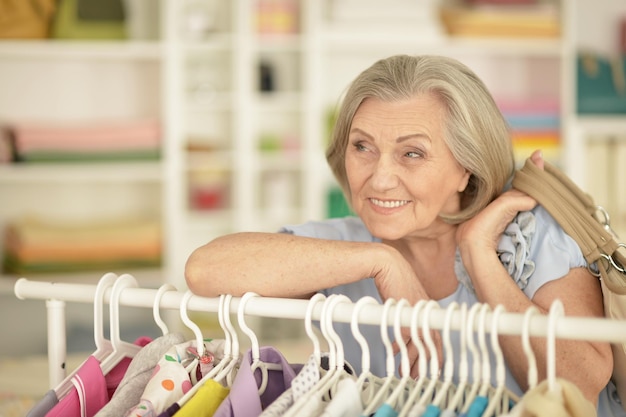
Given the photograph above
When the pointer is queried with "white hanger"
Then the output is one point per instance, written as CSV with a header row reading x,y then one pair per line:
x,y
495,401
444,390
184,316
220,365
484,351
308,326
390,377
257,363
422,362
455,403
103,345
366,376
400,389
121,349
528,349
434,357
556,310
227,339
231,358
157,305
336,369
476,358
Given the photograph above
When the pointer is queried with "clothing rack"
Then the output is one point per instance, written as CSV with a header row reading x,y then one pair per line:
x,y
57,294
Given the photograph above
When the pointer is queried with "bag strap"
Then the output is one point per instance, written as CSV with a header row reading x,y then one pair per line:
x,y
569,205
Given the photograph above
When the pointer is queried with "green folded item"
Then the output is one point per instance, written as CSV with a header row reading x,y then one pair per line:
x,y
12,265
121,156
89,20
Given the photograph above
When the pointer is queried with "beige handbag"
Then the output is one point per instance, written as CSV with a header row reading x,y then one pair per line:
x,y
588,225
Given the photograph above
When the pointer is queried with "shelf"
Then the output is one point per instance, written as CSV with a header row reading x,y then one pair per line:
x,y
123,172
610,125
448,45
55,49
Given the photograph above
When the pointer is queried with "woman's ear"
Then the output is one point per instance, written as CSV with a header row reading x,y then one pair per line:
x,y
464,181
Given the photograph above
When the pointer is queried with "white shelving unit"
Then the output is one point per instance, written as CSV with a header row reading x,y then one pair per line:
x,y
202,79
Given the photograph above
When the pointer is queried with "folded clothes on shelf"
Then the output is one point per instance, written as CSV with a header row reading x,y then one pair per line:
x,y
110,140
33,245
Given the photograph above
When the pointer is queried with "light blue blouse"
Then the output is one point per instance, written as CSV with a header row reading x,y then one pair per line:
x,y
534,249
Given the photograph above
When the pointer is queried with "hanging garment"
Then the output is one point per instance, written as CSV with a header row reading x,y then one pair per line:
x,y
205,402
244,399
92,390
128,393
300,385
567,401
171,378
346,402
46,404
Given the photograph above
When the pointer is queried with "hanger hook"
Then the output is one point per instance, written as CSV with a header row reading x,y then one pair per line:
x,y
556,311
528,349
124,281
157,305
190,324
358,336
104,284
308,325
384,334
256,353
495,345
405,366
417,340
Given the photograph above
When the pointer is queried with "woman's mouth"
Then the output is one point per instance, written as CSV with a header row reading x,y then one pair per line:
x,y
389,203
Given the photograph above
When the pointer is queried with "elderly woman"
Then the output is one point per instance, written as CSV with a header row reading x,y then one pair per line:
x,y
424,157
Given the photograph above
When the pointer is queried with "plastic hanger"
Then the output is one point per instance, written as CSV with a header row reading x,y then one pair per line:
x,y
121,349
103,345
444,390
390,377
308,326
366,381
454,405
220,365
416,390
336,369
476,358
157,305
556,311
484,351
528,349
498,397
231,358
393,400
257,363
317,352
427,395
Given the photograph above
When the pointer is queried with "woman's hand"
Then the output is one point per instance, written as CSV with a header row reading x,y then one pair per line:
x,y
484,230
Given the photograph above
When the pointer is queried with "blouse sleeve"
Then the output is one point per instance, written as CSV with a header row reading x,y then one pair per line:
x,y
536,250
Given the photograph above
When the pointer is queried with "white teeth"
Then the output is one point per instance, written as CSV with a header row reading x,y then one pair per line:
x,y
389,204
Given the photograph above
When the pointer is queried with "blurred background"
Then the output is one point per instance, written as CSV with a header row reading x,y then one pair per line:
x,y
133,131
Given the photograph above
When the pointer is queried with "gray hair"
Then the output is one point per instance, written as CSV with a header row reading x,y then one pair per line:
x,y
476,132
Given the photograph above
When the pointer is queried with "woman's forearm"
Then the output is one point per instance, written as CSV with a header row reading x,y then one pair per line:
x,y
587,364
279,265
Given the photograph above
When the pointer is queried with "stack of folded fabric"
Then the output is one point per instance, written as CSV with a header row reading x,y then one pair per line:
x,y
32,245
95,141
535,124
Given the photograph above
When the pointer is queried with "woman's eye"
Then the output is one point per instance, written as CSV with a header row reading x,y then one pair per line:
x,y
360,147
413,154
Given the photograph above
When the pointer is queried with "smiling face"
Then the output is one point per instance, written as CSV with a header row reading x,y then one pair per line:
x,y
401,174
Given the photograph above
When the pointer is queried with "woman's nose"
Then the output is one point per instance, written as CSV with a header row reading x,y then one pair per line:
x,y
385,175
